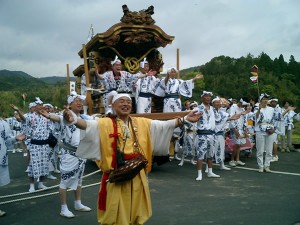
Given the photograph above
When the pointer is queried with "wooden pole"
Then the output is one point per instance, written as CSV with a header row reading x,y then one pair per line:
x,y
177,59
68,80
87,81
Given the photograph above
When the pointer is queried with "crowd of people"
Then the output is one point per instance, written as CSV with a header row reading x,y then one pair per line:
x,y
201,135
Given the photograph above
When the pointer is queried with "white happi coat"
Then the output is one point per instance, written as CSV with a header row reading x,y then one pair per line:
x,y
289,119
174,87
122,85
71,166
205,143
264,141
239,124
38,128
189,136
6,139
146,86
279,120
221,123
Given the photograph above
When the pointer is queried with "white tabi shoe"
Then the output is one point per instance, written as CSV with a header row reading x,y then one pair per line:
x,y
193,162
267,169
199,175
232,163
274,159
2,213
223,167
182,161
42,186
177,158
67,214
31,189
240,163
51,177
83,208
206,169
56,171
212,175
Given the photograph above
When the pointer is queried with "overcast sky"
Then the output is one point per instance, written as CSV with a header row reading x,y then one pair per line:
x,y
40,37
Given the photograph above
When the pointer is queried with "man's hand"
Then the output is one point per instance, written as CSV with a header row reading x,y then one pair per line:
x,y
20,137
14,107
44,113
235,117
67,114
194,116
198,76
152,73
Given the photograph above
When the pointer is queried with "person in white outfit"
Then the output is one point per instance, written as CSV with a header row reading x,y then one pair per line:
x,y
205,139
171,88
144,88
38,129
71,166
221,118
286,136
117,81
187,139
6,139
264,129
238,132
279,125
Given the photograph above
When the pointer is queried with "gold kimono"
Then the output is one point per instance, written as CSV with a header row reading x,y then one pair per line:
x,y
128,202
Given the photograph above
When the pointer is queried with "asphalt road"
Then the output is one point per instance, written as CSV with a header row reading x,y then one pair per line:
x,y
240,196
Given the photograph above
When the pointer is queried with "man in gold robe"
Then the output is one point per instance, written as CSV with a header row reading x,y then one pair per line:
x,y
127,202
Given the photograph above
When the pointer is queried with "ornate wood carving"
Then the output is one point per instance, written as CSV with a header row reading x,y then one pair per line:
x,y
139,18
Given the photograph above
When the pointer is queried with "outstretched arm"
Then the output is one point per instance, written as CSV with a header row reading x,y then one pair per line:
x,y
21,115
70,118
49,116
198,76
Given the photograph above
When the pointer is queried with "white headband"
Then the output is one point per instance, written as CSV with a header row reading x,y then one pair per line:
x,y
172,68
38,100
245,103
194,104
32,104
48,105
73,95
115,60
206,93
263,95
274,99
117,96
216,99
142,64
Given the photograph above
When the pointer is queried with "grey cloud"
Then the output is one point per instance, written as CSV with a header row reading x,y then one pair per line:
x,y
40,37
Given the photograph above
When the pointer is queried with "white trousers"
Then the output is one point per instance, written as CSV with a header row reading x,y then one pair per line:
x,y
264,142
220,149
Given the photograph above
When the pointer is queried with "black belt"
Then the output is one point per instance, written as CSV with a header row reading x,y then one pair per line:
x,y
205,132
39,142
220,133
171,96
145,95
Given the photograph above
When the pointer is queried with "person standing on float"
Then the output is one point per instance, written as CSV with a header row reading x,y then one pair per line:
x,y
117,81
171,88
144,88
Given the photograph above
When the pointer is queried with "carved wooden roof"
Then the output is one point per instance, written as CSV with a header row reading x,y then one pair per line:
x,y
135,35
79,71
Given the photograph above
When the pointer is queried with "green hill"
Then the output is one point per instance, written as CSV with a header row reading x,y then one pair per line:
x,y
18,80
